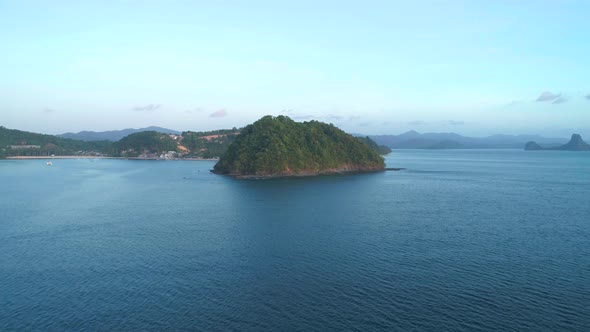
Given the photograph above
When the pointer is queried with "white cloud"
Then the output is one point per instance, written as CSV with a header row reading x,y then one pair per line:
x,y
147,108
218,114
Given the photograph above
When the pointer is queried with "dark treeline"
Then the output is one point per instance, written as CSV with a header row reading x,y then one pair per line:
x,y
210,144
18,143
381,149
279,145
145,142
311,138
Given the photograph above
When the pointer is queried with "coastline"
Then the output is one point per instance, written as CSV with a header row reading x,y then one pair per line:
x,y
342,171
103,157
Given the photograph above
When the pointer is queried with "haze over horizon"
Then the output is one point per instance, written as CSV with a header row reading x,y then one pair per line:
x,y
381,67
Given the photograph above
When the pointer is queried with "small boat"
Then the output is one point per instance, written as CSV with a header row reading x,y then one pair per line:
x,y
49,163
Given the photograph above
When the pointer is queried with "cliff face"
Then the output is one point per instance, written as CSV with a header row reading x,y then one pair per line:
x,y
576,143
279,146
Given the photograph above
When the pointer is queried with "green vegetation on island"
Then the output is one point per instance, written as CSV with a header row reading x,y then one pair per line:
x,y
22,143
279,146
208,144
189,144
145,144
153,144
381,149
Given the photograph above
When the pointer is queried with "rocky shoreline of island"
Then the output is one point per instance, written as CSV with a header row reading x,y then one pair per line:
x,y
342,171
346,170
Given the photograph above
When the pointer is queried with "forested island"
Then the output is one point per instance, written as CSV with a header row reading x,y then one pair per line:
x,y
279,146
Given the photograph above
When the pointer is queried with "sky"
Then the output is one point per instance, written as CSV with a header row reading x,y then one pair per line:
x,y
373,67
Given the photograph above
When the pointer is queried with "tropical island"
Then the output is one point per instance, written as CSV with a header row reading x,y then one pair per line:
x,y
280,147
576,143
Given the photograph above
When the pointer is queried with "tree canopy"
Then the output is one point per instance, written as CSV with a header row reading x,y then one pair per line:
x,y
272,144
280,146
22,143
381,149
150,142
211,144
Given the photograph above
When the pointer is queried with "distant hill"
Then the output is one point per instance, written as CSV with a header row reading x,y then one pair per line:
x,y
279,146
189,144
113,135
576,143
414,140
23,143
143,144
208,144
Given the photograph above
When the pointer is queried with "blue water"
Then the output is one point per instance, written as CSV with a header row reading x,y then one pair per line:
x,y
461,240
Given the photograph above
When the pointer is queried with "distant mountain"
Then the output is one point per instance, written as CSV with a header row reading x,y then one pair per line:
x,y
576,143
114,135
414,140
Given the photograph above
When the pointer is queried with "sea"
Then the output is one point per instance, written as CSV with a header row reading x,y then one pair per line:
x,y
460,240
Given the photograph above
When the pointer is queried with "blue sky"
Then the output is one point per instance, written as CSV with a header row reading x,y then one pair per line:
x,y
375,67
